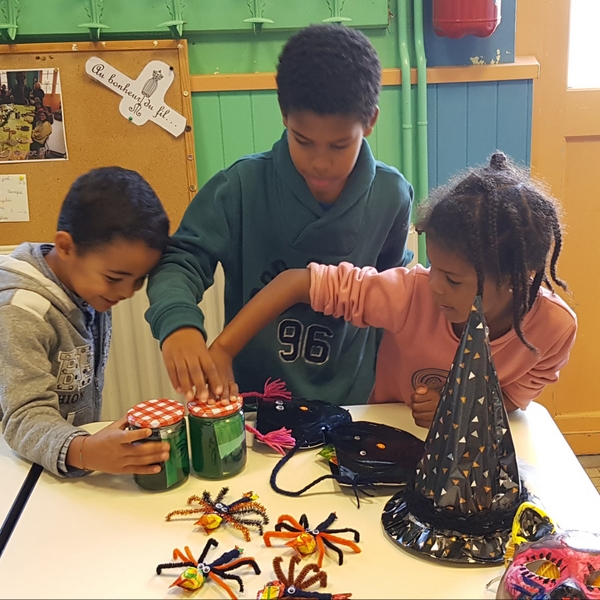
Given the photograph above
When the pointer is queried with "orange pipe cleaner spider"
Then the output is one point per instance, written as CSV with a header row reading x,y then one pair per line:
x,y
307,541
285,588
215,512
197,571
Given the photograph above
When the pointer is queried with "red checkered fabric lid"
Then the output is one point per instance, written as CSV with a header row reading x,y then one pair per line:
x,y
155,413
214,411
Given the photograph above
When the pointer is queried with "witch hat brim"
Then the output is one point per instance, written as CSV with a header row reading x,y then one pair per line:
x,y
467,487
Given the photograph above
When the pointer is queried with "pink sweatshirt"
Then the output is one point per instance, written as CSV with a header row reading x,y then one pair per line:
x,y
418,344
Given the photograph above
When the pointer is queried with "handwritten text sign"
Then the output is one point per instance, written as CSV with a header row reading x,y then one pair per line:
x,y
13,198
144,97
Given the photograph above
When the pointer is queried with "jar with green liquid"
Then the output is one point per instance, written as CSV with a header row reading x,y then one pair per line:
x,y
166,419
217,438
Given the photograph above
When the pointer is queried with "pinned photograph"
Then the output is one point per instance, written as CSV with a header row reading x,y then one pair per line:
x,y
31,116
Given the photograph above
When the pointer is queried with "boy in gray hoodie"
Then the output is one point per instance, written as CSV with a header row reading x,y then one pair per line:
x,y
55,325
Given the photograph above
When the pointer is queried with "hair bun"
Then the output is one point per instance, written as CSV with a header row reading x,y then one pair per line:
x,y
498,161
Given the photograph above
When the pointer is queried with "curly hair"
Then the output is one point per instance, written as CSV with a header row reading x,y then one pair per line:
x,y
329,69
505,224
111,203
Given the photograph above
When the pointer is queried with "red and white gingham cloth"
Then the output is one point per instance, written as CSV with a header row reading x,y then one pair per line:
x,y
155,413
214,411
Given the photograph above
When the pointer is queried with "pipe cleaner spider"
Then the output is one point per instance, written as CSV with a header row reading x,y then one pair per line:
x,y
306,541
217,511
198,571
296,587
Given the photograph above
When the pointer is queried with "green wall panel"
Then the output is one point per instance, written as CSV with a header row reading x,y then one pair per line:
x,y
126,17
208,137
266,120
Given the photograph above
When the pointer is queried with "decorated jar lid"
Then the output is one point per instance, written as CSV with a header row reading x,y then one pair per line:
x,y
155,413
214,411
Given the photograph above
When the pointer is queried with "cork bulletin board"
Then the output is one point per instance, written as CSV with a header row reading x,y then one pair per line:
x,y
97,134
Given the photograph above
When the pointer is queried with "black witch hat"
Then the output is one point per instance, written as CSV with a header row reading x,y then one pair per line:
x,y
467,488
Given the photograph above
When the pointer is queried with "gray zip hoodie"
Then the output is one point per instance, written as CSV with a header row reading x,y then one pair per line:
x,y
50,380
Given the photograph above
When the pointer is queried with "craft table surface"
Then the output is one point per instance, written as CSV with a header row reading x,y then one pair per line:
x,y
102,536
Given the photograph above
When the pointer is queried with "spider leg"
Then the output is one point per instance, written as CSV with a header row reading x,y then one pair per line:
x,y
329,544
339,540
280,526
292,522
327,523
321,548
240,562
187,557
221,583
195,498
345,530
279,571
301,583
237,524
320,576
295,560
251,507
303,521
231,576
173,565
210,543
278,534
184,511
252,523
221,494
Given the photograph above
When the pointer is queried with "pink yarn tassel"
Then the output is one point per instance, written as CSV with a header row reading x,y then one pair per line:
x,y
274,390
279,440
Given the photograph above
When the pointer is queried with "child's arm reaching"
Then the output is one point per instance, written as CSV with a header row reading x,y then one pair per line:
x,y
113,450
288,288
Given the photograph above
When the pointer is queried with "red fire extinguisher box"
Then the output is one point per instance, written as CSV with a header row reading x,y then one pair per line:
x,y
454,31
457,18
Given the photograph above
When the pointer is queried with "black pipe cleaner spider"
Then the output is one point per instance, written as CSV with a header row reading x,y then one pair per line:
x,y
217,511
306,541
197,571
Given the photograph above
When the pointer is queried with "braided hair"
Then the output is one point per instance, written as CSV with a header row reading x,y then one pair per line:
x,y
503,223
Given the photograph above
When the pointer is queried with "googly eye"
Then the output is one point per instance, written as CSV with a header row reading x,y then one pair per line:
x,y
291,590
205,569
278,401
357,437
363,452
280,407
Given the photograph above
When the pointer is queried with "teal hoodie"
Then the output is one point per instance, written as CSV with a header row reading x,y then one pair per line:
x,y
258,218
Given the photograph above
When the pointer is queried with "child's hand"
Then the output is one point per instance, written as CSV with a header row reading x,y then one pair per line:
x,y
113,450
223,363
190,365
423,403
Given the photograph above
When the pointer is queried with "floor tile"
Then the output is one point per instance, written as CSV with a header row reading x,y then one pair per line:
x,y
589,460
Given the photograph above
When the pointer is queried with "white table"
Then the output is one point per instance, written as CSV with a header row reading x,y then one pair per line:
x,y
102,536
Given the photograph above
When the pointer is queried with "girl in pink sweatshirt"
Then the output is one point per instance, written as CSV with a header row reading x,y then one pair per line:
x,y
492,232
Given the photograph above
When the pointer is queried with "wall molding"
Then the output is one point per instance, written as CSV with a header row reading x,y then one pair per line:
x,y
524,67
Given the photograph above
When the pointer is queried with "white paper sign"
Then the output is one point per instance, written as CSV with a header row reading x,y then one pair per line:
x,y
144,97
13,198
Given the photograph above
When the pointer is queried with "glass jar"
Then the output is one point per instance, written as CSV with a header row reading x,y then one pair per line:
x,y
166,419
217,438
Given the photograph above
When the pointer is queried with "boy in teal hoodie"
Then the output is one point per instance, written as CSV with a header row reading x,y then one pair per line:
x,y
318,195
